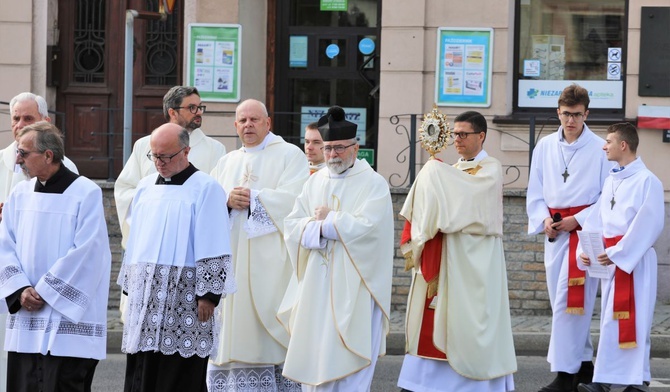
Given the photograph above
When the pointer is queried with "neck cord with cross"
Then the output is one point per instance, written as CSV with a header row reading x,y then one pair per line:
x,y
566,164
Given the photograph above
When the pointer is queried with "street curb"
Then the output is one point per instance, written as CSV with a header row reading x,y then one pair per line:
x,y
525,343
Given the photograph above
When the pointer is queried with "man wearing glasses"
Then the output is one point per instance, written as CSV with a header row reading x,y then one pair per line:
x,y
176,269
262,180
24,109
340,238
181,106
458,328
54,270
567,173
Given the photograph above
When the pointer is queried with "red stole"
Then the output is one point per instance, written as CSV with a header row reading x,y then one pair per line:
x,y
624,302
576,277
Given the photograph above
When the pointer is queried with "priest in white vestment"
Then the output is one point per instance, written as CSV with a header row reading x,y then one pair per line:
x,y
566,176
340,239
262,180
458,325
629,215
54,270
176,268
24,109
314,148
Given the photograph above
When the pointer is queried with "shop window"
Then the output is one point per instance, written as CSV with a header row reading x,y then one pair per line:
x,y
559,42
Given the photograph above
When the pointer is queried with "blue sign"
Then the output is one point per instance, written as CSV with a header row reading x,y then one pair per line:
x,y
366,46
332,51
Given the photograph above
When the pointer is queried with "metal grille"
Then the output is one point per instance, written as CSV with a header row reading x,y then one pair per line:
x,y
161,48
89,42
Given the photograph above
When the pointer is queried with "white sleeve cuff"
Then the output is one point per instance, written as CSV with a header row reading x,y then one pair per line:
x,y
311,237
328,227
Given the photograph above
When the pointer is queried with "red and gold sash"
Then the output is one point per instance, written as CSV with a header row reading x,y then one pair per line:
x,y
576,277
624,302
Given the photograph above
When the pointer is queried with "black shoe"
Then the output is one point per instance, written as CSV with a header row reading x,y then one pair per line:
x,y
564,382
593,387
631,388
585,373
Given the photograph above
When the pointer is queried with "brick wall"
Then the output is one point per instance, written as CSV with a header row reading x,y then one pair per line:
x,y
523,253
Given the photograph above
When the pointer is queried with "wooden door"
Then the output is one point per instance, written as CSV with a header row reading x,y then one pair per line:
x,y
90,84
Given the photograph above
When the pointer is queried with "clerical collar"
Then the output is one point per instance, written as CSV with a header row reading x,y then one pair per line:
x,y
57,183
179,178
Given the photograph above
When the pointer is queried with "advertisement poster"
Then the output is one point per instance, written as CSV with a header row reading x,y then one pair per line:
x,y
213,65
604,94
464,67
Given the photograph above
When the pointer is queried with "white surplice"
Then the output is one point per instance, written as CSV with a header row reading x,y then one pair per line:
x,y
587,165
638,216
250,333
204,154
339,313
57,243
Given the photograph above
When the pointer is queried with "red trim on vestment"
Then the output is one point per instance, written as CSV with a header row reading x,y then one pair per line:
x,y
624,302
576,277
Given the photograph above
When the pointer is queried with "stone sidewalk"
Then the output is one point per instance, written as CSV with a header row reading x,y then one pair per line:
x,y
531,333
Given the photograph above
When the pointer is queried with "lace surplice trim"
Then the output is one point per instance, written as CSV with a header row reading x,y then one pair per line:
x,y
215,275
259,222
251,378
8,272
163,310
62,327
67,291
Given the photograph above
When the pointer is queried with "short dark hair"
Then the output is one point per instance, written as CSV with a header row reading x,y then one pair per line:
x,y
475,119
174,97
574,95
626,132
313,125
47,137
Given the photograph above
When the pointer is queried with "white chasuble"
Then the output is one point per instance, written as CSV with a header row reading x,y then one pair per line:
x,y
331,317
472,323
249,330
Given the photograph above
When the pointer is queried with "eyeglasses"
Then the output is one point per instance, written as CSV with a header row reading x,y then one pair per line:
x,y
567,115
463,135
23,153
337,149
192,108
163,158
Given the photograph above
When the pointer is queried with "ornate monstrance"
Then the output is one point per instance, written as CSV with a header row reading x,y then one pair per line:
x,y
434,134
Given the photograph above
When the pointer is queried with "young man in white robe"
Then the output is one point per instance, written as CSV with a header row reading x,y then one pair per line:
x,y
566,176
340,239
314,148
458,326
175,270
629,215
54,270
262,180
181,106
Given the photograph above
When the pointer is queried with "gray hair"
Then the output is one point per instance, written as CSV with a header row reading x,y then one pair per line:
x,y
261,104
47,137
184,138
174,97
42,106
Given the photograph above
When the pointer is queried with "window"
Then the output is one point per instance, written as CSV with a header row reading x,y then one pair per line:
x,y
565,41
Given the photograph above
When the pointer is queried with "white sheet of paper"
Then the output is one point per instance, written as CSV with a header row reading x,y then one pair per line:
x,y
592,244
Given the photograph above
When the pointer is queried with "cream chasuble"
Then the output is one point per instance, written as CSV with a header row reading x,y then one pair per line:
x,y
204,154
250,332
331,317
472,321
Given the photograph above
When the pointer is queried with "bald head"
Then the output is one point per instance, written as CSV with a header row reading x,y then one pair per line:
x,y
169,149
